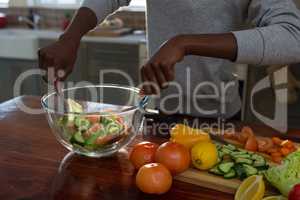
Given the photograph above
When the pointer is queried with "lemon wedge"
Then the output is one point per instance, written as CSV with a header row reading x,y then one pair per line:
x,y
275,198
252,188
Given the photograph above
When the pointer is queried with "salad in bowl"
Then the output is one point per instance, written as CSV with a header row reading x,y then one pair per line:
x,y
95,125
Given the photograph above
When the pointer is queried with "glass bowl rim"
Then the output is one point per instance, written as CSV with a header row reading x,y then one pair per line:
x,y
121,112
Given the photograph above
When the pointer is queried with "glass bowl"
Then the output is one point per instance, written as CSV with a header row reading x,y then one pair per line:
x,y
95,121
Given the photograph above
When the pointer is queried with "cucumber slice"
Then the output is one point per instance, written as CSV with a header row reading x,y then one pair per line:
x,y
230,147
241,156
225,167
259,163
244,161
215,170
231,174
91,140
82,123
226,151
240,171
263,168
77,138
250,170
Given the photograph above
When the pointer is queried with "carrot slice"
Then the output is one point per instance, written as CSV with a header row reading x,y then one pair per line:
x,y
276,154
277,159
277,140
285,151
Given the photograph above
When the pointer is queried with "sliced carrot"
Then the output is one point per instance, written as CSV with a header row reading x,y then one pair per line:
x,y
277,140
276,154
277,159
272,150
288,144
251,144
285,151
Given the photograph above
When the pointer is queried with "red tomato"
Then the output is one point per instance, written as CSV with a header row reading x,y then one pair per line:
x,y
295,193
174,156
143,153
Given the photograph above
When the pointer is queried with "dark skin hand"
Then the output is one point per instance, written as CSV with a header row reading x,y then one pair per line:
x,y
62,54
159,70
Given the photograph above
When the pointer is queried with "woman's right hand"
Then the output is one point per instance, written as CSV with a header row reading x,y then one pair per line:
x,y
59,57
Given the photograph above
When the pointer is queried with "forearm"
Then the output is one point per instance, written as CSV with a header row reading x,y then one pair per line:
x,y
210,45
83,21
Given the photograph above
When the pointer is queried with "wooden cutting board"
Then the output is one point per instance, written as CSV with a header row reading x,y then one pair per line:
x,y
207,180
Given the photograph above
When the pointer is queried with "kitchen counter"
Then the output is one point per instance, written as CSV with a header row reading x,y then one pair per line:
x,y
54,34
33,165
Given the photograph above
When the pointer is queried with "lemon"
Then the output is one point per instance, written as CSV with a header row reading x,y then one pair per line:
x,y
204,155
252,188
275,198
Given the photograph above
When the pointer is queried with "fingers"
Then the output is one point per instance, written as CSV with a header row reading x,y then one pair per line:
x,y
156,76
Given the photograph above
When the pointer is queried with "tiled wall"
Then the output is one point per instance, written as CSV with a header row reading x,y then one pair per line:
x,y
52,18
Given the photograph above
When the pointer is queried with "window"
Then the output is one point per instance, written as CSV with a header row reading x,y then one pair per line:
x,y
138,3
58,3
3,3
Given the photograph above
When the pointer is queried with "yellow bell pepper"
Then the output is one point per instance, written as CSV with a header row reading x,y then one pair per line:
x,y
188,136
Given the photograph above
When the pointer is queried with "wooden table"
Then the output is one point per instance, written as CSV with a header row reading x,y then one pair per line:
x,y
33,165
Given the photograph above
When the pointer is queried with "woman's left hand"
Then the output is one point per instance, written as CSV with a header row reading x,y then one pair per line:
x,y
159,70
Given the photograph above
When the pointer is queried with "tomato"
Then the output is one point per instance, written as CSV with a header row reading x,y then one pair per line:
x,y
143,153
251,144
93,118
154,178
174,156
295,193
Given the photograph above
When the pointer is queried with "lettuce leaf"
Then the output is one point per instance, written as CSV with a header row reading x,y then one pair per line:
x,y
286,175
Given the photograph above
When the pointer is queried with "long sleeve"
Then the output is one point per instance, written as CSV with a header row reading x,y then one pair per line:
x,y
276,38
102,8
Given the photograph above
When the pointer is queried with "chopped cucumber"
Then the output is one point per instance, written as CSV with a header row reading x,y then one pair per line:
x,y
215,170
244,161
91,140
77,138
225,167
226,151
241,156
230,147
82,123
250,170
231,174
240,171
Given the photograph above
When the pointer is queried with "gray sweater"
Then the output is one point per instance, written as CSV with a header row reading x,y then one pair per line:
x,y
267,32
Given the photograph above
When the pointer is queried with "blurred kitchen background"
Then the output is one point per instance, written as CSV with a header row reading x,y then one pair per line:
x,y
118,43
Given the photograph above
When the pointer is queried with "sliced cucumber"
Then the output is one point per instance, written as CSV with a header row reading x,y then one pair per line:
x,y
250,170
226,151
262,168
91,140
225,167
244,161
82,123
240,171
77,138
241,156
231,174
230,147
215,170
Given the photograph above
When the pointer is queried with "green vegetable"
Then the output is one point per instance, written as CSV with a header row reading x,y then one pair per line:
x,y
240,170
225,167
250,170
231,174
82,123
215,170
77,138
91,140
286,175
